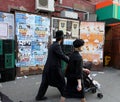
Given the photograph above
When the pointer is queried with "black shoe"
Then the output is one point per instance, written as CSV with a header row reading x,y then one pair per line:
x,y
40,99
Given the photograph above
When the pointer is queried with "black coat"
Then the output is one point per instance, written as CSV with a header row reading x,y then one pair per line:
x,y
74,71
52,69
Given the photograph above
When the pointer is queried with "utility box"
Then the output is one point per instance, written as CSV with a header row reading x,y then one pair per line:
x,y
69,14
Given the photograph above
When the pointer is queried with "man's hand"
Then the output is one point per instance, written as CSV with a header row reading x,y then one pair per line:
x,y
79,87
86,71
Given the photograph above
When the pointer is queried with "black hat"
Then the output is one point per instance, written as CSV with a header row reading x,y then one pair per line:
x,y
59,34
78,43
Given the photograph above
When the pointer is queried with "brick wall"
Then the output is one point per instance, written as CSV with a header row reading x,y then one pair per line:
x,y
74,4
29,5
80,4
6,5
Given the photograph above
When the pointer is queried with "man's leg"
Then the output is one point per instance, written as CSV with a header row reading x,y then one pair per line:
x,y
42,89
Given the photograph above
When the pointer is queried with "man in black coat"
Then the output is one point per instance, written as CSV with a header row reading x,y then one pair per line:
x,y
52,73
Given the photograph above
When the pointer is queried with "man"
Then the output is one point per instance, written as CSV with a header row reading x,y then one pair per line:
x,y
52,73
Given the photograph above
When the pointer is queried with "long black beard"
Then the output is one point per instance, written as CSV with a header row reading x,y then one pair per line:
x,y
62,42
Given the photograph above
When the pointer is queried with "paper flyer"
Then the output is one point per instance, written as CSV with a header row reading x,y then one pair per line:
x,y
63,25
7,18
3,30
75,29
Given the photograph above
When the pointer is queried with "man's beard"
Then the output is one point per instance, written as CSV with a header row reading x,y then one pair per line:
x,y
62,42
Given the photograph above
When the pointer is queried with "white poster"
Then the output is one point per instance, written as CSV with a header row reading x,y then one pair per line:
x,y
3,30
75,29
7,21
62,26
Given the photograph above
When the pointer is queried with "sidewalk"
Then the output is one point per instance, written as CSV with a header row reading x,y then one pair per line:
x,y
25,88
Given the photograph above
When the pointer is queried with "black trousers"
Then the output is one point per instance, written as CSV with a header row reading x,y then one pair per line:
x,y
45,83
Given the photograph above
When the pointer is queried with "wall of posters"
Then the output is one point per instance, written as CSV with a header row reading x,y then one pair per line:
x,y
32,36
93,35
70,28
6,25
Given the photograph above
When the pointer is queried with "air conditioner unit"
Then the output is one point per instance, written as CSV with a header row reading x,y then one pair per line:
x,y
90,17
69,14
44,5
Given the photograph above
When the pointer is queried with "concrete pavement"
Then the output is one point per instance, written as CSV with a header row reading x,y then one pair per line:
x,y
25,88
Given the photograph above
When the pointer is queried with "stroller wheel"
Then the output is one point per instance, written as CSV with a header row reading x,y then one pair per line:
x,y
93,90
100,95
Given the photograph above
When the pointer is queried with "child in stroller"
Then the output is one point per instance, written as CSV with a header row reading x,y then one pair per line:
x,y
90,84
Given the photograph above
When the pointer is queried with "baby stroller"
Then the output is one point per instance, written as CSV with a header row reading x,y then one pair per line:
x,y
90,84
